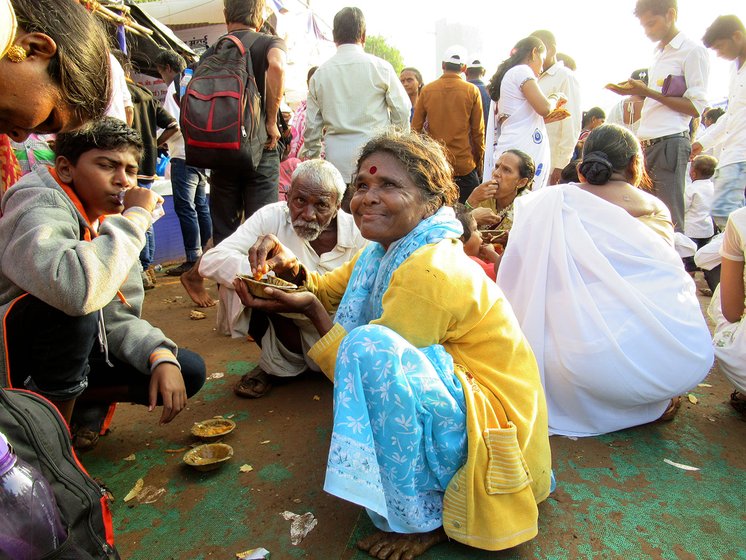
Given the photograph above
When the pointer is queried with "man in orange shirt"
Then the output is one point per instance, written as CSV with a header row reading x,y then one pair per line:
x,y
453,110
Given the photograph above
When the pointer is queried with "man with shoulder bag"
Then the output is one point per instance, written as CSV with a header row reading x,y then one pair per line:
x,y
230,126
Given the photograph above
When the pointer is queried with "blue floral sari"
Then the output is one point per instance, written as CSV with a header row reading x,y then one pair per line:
x,y
399,413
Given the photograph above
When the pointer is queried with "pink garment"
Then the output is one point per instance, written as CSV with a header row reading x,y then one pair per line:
x,y
286,173
298,128
489,268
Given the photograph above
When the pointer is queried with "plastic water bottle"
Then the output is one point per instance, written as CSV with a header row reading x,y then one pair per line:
x,y
186,77
30,525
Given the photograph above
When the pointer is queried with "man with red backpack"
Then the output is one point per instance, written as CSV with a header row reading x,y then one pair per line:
x,y
236,193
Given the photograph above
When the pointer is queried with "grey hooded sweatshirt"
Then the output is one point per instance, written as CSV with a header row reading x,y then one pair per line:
x,y
43,253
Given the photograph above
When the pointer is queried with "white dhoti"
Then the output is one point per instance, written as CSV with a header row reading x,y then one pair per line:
x,y
276,359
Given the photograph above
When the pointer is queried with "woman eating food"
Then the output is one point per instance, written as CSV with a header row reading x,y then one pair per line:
x,y
439,418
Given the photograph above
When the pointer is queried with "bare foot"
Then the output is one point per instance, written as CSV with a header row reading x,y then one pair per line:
x,y
400,546
194,285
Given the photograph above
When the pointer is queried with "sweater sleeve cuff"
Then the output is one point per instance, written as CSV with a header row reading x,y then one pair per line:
x,y
324,352
140,216
162,355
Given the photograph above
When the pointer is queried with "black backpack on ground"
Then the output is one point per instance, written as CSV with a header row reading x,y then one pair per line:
x,y
40,437
221,109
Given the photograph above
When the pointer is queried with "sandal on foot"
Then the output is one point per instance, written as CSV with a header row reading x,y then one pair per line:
x,y
253,385
670,412
84,439
738,402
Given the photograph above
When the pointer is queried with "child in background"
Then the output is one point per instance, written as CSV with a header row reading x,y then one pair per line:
x,y
592,118
698,225
70,286
481,253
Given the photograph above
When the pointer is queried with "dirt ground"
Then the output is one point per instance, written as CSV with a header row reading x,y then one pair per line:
x,y
616,497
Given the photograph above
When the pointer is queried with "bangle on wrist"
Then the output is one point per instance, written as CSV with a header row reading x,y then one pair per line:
x,y
469,207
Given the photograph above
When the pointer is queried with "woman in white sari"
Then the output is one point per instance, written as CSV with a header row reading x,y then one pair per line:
x,y
517,112
602,295
727,309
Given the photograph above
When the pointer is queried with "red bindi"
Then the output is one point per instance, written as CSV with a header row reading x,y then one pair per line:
x,y
373,169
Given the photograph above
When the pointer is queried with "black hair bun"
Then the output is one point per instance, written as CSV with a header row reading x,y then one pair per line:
x,y
596,168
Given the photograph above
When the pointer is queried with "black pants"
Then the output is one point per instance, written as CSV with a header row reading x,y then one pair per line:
x,y
466,184
59,356
712,277
235,196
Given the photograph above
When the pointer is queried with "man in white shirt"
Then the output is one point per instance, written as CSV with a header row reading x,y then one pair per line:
x,y
664,123
350,97
727,37
557,78
322,236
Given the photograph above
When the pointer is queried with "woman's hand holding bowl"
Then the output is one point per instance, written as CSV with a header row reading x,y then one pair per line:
x,y
278,301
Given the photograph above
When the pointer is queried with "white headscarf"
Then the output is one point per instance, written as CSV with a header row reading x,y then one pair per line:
x,y
8,26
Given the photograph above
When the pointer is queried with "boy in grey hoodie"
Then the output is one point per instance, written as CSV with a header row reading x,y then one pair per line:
x,y
70,287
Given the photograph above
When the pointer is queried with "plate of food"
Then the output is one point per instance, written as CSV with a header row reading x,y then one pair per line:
x,y
213,428
256,287
558,114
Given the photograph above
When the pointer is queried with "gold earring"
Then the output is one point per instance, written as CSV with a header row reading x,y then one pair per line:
x,y
16,54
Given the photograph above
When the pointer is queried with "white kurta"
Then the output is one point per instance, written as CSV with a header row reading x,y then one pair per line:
x,y
351,97
230,257
563,135
608,309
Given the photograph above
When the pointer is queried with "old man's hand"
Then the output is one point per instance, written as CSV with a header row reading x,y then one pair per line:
x,y
267,253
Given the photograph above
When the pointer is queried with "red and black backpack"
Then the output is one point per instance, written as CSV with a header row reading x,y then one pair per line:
x,y
221,109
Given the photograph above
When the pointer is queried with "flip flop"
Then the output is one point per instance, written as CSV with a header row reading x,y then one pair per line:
x,y
84,439
253,385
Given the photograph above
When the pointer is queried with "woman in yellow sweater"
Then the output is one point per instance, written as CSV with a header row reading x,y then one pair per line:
x,y
437,393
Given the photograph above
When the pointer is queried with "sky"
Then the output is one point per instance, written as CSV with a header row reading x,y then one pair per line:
x,y
603,36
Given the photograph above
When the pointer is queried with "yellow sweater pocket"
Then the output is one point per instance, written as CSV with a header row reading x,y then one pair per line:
x,y
507,471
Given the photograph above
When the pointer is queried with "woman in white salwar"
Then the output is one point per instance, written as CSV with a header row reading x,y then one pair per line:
x,y
518,108
439,417
603,297
727,308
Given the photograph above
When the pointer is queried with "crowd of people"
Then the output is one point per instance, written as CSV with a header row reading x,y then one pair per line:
x,y
484,265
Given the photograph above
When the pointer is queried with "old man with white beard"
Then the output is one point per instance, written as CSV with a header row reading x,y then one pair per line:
x,y
320,234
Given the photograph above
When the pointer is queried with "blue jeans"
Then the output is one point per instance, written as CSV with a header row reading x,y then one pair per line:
x,y
190,204
146,255
730,182
234,197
